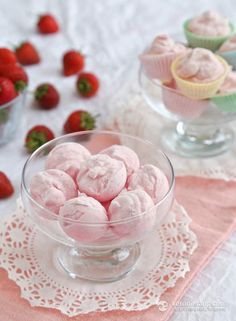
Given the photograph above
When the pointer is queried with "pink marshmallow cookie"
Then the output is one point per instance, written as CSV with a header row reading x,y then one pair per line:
x,y
126,206
124,154
51,188
67,157
151,179
71,167
102,177
210,24
84,212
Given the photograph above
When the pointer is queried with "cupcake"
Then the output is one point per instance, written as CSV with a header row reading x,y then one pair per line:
x,y
226,99
199,73
157,60
228,51
209,30
181,105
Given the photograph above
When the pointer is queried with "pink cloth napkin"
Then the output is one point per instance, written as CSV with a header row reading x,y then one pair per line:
x,y
212,207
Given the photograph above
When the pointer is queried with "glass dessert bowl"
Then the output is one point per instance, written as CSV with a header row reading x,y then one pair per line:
x,y
201,127
117,246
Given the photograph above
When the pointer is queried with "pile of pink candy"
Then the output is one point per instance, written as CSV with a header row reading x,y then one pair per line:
x,y
81,189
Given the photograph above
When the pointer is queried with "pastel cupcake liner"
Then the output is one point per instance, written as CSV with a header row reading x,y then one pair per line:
x,y
229,56
158,66
199,90
225,102
181,105
211,43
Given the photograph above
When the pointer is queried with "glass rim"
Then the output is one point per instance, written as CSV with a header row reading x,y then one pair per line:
x,y
56,217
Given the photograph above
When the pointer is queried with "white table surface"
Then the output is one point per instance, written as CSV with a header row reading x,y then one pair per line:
x,y
111,33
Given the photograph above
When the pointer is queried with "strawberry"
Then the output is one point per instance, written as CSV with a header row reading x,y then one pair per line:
x,y
27,54
47,96
78,121
47,24
6,188
7,90
7,56
73,62
87,84
37,136
16,74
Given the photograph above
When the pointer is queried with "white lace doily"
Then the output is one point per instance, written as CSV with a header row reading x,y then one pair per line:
x,y
23,256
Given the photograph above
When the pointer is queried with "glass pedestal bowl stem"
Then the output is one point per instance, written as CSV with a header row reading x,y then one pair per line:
x,y
191,140
101,265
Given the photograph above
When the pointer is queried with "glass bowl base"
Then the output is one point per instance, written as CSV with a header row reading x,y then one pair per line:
x,y
98,266
188,142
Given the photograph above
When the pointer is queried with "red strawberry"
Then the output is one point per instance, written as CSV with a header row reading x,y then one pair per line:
x,y
78,121
6,188
47,24
7,90
27,54
16,74
7,56
37,136
47,96
73,62
87,84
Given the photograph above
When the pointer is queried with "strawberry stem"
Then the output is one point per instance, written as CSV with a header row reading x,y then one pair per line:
x,y
35,140
41,91
20,85
84,86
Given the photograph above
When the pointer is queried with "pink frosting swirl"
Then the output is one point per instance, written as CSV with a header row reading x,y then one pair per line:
x,y
209,23
229,85
200,65
229,45
164,44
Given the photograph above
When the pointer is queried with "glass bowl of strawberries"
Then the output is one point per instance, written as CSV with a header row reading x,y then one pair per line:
x,y
10,112
13,81
99,195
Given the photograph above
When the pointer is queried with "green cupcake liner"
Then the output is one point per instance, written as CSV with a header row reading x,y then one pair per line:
x,y
226,103
229,56
211,43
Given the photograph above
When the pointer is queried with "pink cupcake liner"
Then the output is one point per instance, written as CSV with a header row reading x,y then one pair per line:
x,y
158,66
181,105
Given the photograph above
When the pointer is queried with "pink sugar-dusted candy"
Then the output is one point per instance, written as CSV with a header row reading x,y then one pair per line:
x,y
71,167
67,157
157,60
150,179
127,205
200,65
124,154
209,24
83,209
52,188
102,177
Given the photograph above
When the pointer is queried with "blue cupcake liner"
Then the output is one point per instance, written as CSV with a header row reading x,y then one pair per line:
x,y
229,56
